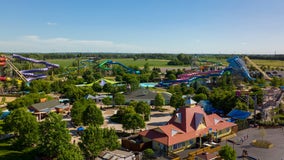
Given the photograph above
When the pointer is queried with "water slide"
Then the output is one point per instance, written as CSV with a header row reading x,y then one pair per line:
x,y
259,69
239,66
236,65
189,78
129,70
2,64
49,65
31,74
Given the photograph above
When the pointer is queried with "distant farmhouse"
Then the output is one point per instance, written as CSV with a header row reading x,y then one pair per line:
x,y
147,96
186,129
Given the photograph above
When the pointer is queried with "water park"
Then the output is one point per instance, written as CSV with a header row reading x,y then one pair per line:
x,y
111,85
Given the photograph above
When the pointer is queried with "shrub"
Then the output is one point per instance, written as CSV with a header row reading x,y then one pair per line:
x,y
262,144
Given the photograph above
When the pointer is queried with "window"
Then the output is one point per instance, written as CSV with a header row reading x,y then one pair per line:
x,y
191,141
179,145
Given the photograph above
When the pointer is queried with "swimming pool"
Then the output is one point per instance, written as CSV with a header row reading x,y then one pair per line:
x,y
149,85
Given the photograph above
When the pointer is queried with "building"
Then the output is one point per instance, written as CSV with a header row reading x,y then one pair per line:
x,y
146,95
188,128
44,107
98,98
116,155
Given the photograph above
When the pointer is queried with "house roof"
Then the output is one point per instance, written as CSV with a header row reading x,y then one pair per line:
x,y
145,94
45,105
186,124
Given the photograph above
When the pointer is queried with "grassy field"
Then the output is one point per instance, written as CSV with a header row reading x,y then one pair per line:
x,y
141,62
163,63
62,62
272,63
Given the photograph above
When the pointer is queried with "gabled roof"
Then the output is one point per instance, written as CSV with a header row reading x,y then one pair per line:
x,y
189,118
184,125
45,105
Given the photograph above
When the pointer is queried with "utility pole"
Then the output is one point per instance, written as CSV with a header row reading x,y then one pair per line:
x,y
255,105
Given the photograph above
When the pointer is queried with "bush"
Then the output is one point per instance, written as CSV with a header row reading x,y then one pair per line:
x,y
262,144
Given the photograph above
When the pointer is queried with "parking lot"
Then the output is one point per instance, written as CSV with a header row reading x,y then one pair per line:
x,y
245,137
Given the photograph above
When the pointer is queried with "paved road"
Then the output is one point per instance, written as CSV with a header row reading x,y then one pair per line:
x,y
275,136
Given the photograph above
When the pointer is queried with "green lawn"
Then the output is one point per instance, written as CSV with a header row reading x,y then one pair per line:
x,y
141,62
272,63
8,153
62,62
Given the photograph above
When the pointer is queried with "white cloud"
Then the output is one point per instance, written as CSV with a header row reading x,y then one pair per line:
x,y
34,43
51,23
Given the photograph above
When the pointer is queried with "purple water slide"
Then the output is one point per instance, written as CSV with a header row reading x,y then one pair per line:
x,y
36,61
37,77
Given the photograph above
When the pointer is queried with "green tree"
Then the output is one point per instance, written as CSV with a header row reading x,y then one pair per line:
x,y
71,152
148,154
97,87
107,101
54,136
108,88
133,121
144,109
111,139
241,105
93,116
93,142
176,100
119,99
159,100
25,127
88,76
204,90
228,153
199,97
77,110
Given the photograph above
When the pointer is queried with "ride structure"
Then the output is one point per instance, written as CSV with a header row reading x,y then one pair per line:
x,y
81,65
236,66
33,74
104,66
259,69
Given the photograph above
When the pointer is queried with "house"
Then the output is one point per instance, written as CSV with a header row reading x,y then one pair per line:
x,y
44,107
188,128
146,95
98,98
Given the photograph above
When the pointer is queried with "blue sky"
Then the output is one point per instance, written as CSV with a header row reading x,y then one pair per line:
x,y
143,26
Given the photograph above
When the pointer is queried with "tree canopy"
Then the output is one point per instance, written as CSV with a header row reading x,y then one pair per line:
x,y
228,153
25,127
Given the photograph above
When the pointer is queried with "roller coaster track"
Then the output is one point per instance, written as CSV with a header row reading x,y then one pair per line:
x,y
259,69
14,68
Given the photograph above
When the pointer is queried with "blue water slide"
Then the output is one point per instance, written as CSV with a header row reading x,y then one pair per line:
x,y
238,65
